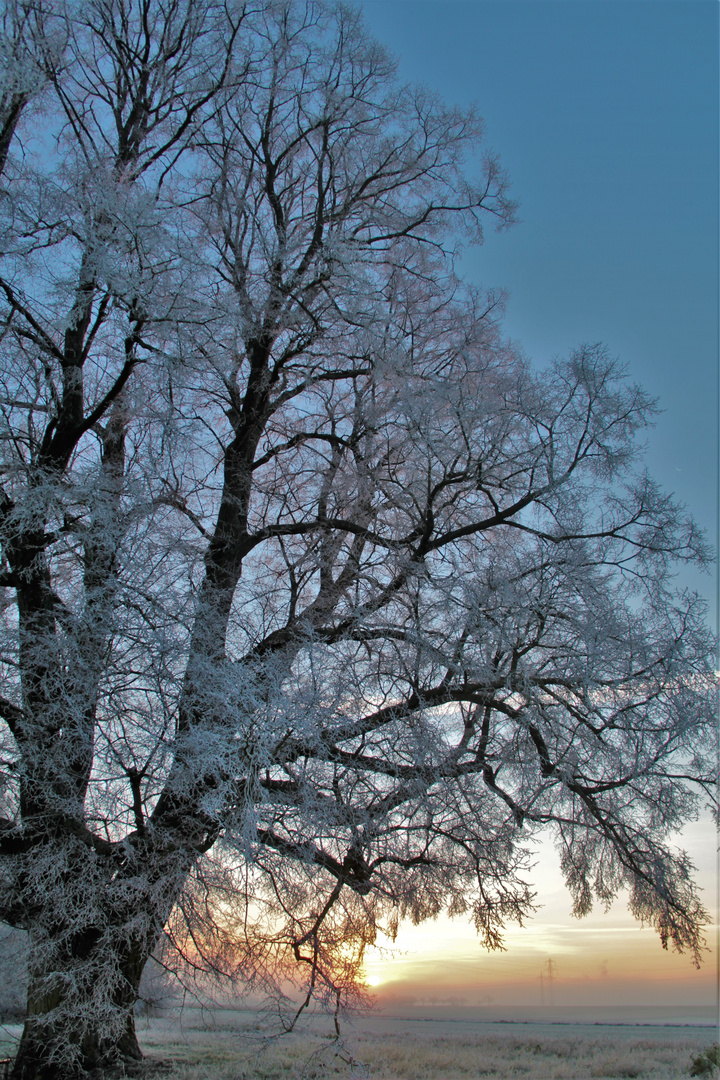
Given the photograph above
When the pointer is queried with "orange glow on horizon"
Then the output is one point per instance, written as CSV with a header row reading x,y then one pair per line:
x,y
604,959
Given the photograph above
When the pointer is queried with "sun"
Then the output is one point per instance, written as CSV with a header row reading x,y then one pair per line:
x,y
373,980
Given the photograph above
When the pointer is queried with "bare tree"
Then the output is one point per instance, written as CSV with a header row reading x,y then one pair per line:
x,y
318,600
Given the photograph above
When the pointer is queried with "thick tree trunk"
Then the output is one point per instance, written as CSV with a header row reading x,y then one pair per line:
x,y
65,1035
91,935
46,1053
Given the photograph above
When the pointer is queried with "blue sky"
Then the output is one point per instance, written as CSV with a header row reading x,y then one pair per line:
x,y
605,115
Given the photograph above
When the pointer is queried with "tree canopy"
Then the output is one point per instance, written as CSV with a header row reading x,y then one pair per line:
x,y
319,599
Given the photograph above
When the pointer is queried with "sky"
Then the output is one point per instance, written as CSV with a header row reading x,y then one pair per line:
x,y
605,115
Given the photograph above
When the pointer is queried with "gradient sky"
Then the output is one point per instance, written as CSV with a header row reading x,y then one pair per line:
x,y
605,115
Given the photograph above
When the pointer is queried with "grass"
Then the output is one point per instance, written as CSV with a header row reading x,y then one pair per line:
x,y
237,1052
386,1057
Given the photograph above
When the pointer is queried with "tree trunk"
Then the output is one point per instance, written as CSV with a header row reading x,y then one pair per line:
x,y
92,932
65,1034
42,1055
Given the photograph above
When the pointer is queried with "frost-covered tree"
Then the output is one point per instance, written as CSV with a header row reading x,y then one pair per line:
x,y
318,599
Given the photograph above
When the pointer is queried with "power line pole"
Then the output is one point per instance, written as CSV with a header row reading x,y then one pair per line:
x,y
547,980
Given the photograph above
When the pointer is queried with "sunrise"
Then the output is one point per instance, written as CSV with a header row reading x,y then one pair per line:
x,y
358,526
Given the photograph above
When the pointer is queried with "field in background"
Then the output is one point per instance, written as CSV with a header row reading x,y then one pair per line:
x,y
227,1045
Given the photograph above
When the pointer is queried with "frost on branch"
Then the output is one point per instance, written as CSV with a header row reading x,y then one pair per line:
x,y
318,600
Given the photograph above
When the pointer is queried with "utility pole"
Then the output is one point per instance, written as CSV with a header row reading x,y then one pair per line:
x,y
547,979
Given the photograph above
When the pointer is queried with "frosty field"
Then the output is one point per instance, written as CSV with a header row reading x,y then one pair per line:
x,y
226,1045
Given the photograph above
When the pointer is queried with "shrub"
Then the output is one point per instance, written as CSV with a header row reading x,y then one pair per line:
x,y
707,1063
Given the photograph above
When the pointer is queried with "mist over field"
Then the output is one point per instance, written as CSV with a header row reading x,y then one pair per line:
x,y
422,1043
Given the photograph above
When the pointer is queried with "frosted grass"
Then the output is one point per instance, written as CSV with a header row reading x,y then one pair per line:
x,y
223,1055
185,1049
